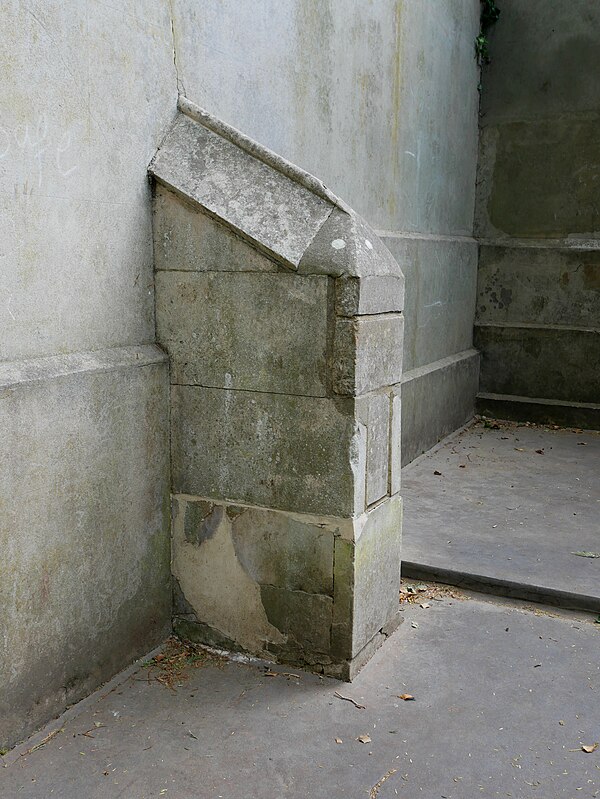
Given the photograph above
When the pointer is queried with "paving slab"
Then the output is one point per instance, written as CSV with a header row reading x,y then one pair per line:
x,y
504,508
504,698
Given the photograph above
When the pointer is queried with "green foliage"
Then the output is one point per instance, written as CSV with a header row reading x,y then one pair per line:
x,y
489,15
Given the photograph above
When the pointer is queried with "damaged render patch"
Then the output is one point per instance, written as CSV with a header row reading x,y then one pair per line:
x,y
217,587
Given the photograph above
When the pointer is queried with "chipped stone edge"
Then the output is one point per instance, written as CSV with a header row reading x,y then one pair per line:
x,y
260,152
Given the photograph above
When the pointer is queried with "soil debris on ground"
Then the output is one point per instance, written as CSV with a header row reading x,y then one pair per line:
x,y
171,666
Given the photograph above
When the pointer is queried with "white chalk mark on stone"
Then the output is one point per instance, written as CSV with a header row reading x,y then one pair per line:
x,y
338,244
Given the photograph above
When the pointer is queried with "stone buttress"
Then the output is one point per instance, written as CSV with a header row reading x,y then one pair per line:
x,y
281,312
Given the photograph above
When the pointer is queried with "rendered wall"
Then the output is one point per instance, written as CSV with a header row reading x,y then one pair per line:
x,y
379,100
86,91
538,311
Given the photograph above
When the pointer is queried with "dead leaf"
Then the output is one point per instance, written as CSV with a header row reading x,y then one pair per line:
x,y
414,624
339,741
271,674
439,474
424,605
540,451
406,697
364,739
587,554
589,748
582,443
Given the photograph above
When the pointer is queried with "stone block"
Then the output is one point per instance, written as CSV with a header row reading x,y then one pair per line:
x,y
187,240
314,590
84,574
373,410
280,550
375,294
546,284
367,578
377,560
262,204
302,454
303,619
537,178
249,331
561,363
367,353
217,596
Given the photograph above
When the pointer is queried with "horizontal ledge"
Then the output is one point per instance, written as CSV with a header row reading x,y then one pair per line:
x,y
534,326
443,363
542,244
552,403
33,370
405,234
501,587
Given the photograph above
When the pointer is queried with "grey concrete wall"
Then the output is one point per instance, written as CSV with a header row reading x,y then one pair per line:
x,y
538,305
379,100
86,92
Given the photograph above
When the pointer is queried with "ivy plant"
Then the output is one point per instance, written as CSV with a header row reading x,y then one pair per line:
x,y
489,15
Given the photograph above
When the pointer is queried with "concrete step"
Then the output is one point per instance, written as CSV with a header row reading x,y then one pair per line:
x,y
510,510
585,415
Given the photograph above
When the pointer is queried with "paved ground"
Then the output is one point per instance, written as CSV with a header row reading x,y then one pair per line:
x,y
507,508
503,701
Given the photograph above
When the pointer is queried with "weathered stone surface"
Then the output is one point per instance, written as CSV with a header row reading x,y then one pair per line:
x,y
222,596
187,240
303,619
523,80
306,589
540,177
285,552
84,575
546,284
367,353
437,399
254,332
355,296
346,245
274,450
547,362
376,570
367,578
374,410
265,206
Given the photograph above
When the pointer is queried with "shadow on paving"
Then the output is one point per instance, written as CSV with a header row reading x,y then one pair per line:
x,y
504,699
507,507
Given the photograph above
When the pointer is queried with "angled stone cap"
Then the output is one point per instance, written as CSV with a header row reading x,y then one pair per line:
x,y
280,209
